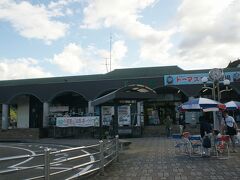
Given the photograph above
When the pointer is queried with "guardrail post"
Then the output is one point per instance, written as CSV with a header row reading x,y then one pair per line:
x,y
46,164
117,147
101,157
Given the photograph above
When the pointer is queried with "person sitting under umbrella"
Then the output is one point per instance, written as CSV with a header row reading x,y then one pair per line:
x,y
205,131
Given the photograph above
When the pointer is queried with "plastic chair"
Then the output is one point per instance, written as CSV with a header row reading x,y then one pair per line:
x,y
195,146
178,143
222,146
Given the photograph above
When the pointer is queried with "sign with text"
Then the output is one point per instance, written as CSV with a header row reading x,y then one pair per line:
x,y
183,79
86,121
107,112
124,115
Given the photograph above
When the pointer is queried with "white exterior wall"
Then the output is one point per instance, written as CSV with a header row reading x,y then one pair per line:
x,y
45,114
23,112
5,122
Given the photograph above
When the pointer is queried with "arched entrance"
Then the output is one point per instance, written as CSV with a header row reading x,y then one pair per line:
x,y
68,107
156,110
68,104
25,111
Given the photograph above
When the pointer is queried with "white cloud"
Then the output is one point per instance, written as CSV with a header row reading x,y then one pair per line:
x,y
21,68
71,60
105,13
78,60
213,20
125,15
119,50
205,34
32,21
60,7
210,31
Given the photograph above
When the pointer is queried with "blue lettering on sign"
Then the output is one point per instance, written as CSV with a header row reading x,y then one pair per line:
x,y
183,79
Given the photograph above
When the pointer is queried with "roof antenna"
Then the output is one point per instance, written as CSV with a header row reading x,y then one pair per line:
x,y
110,52
106,63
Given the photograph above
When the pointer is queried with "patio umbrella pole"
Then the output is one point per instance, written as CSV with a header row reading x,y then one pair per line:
x,y
215,121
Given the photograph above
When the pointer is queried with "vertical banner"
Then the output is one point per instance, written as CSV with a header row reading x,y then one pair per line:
x,y
124,115
107,112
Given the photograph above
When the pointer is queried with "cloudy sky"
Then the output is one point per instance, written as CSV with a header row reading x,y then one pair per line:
x,y
42,38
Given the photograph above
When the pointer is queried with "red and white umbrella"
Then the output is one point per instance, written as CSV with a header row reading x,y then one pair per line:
x,y
232,105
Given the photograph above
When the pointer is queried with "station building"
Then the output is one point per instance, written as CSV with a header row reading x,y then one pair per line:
x,y
132,101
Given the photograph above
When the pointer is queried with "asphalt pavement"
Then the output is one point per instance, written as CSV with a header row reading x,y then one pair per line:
x,y
37,147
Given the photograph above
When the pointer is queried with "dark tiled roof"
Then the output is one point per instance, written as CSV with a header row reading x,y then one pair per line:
x,y
116,74
51,80
144,72
128,73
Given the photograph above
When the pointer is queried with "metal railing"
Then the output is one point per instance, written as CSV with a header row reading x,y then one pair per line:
x,y
103,154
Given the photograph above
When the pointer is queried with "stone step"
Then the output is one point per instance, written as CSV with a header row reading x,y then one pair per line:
x,y
19,134
152,131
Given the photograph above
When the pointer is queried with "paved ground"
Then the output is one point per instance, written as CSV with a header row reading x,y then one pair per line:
x,y
65,141
10,149
154,158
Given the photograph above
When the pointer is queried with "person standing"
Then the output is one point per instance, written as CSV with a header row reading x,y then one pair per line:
x,y
205,126
205,131
182,123
230,127
168,125
111,129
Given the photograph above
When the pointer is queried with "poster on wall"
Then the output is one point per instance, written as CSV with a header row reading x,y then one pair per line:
x,y
124,116
107,112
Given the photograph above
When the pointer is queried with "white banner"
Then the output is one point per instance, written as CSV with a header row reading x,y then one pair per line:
x,y
86,121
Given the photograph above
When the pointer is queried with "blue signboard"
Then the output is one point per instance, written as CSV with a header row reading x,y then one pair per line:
x,y
183,79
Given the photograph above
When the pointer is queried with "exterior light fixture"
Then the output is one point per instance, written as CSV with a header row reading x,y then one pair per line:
x,y
226,82
216,76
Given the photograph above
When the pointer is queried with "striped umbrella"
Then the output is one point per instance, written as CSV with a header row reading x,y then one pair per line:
x,y
203,104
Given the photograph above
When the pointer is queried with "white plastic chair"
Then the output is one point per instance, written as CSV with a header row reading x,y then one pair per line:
x,y
196,148
178,144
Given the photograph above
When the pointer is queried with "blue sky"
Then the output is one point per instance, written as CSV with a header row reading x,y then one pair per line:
x,y
42,38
